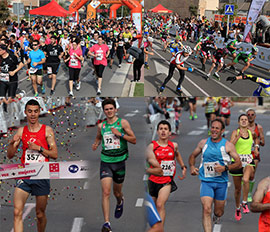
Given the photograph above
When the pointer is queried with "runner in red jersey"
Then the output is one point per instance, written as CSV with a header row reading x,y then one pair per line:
x,y
258,131
38,146
225,110
261,203
161,156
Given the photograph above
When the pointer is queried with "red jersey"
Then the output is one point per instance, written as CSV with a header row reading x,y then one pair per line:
x,y
166,158
264,221
225,106
39,138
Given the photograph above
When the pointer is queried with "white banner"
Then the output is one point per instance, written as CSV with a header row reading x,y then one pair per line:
x,y
253,13
46,170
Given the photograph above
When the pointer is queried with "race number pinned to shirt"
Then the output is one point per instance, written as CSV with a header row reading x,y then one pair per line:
x,y
168,167
126,40
82,43
111,141
209,169
99,55
74,62
245,159
33,156
121,43
49,70
4,77
32,70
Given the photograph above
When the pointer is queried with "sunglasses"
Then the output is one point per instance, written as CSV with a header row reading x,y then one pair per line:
x,y
35,44
251,114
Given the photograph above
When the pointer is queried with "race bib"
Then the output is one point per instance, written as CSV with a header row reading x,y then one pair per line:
x,y
111,142
126,40
168,167
245,159
209,169
74,62
109,46
225,110
99,56
121,43
33,156
82,43
49,70
4,77
32,70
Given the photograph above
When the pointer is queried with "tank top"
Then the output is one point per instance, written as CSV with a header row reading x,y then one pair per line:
x,y
243,148
210,107
39,138
114,149
264,220
166,158
212,154
224,107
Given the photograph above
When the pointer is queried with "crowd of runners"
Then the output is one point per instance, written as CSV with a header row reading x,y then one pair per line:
x,y
238,156
41,46
176,34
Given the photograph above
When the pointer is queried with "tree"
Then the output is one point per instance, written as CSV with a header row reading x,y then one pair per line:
x,y
193,10
4,11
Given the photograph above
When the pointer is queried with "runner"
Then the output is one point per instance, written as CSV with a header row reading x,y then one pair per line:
x,y
242,139
177,61
111,42
148,44
165,152
54,53
114,134
8,72
100,52
210,105
38,146
261,204
225,109
264,84
216,153
258,130
120,49
192,102
175,45
197,49
36,60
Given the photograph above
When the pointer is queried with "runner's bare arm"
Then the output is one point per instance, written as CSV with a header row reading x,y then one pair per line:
x,y
261,135
180,160
151,159
235,137
257,205
192,157
14,143
98,138
129,136
52,151
230,149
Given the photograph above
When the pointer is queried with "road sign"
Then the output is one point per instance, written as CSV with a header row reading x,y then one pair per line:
x,y
229,9
18,8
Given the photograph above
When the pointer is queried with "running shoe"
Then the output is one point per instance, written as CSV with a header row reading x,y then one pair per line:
x,y
98,92
209,132
106,227
178,91
119,209
78,86
70,94
110,67
195,116
195,57
216,76
36,95
146,66
190,117
119,65
238,215
52,92
249,197
245,208
161,89
43,89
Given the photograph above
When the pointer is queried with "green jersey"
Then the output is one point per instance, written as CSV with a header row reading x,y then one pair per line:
x,y
114,148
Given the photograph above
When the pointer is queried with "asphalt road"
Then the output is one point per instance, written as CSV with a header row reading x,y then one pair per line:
x,y
183,209
195,83
75,205
114,81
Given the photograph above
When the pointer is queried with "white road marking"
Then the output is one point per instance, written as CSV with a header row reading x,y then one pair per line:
x,y
28,209
135,111
186,77
145,177
129,115
86,185
139,202
268,133
226,132
120,74
77,224
195,132
217,228
203,127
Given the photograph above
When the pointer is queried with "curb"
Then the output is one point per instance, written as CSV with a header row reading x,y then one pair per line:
x,y
132,89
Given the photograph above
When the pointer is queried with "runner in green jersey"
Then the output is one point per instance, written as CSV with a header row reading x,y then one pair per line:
x,y
113,134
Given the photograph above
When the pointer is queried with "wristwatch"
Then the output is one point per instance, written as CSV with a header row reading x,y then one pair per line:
x,y
226,168
41,149
122,135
